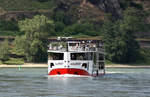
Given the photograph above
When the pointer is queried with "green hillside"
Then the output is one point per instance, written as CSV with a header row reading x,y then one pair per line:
x,y
72,11
32,22
26,5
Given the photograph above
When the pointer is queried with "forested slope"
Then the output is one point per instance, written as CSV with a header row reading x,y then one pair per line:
x,y
94,11
118,22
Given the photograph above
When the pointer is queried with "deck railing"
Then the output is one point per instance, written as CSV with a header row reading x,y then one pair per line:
x,y
77,49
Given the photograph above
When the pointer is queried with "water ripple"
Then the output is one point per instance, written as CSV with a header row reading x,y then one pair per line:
x,y
34,82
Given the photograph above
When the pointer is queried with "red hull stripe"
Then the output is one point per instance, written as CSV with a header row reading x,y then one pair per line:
x,y
73,71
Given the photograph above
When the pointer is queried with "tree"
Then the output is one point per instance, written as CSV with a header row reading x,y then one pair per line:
x,y
85,28
20,45
59,27
4,50
59,16
37,30
6,25
119,39
39,24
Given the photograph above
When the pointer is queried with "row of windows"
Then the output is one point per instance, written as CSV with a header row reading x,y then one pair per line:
x,y
74,56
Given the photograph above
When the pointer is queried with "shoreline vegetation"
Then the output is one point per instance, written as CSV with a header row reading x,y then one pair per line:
x,y
44,65
24,34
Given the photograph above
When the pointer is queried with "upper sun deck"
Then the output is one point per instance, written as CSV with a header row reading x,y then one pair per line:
x,y
75,45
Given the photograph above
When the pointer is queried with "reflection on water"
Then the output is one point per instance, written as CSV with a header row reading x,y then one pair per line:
x,y
34,82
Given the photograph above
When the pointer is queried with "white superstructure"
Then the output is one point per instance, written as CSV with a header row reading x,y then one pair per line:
x,y
76,57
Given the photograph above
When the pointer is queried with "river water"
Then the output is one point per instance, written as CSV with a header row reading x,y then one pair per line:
x,y
34,82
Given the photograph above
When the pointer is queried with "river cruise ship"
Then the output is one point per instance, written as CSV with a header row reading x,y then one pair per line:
x,y
80,57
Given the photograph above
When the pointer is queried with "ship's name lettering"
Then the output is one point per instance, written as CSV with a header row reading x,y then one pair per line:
x,y
77,63
59,63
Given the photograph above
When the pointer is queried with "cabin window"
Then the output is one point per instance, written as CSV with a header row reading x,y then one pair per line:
x,y
56,56
81,56
72,44
101,56
101,65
